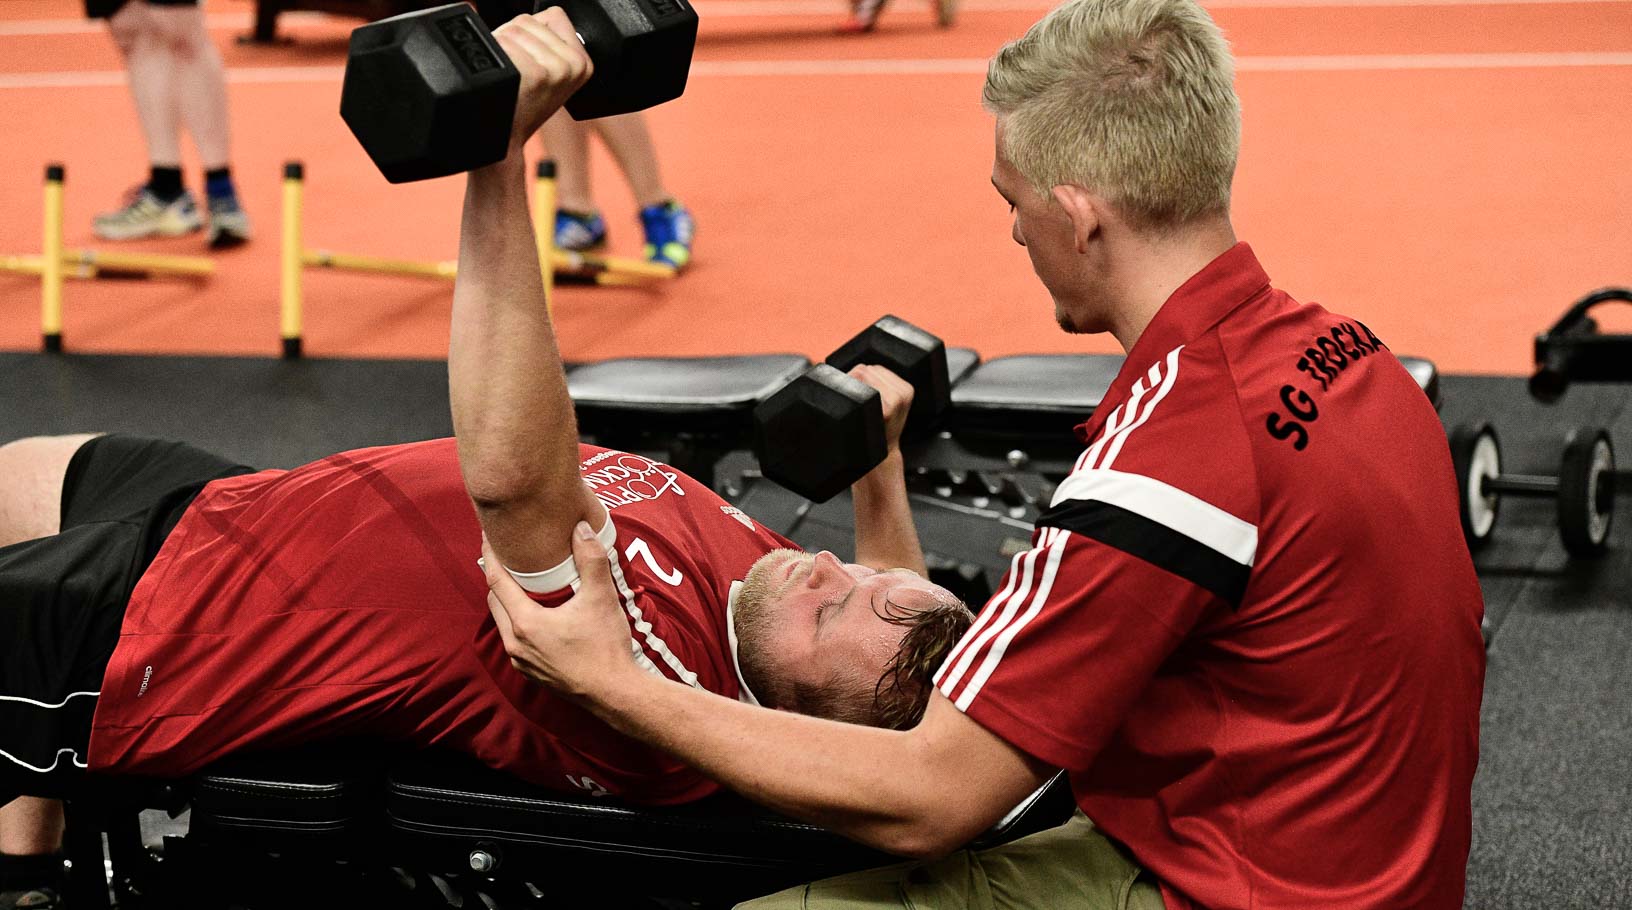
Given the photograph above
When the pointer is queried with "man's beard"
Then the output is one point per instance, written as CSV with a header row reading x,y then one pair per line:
x,y
754,620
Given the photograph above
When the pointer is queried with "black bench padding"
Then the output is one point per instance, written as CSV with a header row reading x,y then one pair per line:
x,y
690,394
723,848
323,792
1030,401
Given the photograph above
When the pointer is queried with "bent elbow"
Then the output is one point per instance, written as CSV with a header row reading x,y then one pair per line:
x,y
922,839
921,842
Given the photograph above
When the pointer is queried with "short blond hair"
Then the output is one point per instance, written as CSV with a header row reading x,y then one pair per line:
x,y
1133,99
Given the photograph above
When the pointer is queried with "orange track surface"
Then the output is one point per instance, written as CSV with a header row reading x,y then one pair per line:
x,y
1456,204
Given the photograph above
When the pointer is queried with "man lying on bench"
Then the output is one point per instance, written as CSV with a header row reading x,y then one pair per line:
x,y
187,607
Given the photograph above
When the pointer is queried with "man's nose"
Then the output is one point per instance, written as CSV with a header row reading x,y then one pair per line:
x,y
824,567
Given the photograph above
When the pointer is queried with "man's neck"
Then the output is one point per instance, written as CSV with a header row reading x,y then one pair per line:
x,y
1150,270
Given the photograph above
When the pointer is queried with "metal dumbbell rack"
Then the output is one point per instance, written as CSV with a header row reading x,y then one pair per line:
x,y
1571,350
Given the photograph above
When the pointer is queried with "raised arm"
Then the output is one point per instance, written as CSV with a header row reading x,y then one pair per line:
x,y
517,438
885,535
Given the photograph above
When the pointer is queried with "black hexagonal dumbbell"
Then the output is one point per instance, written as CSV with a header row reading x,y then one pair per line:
x,y
431,93
824,431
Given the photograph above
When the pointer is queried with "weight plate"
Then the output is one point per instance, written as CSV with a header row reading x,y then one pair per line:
x,y
1586,502
1477,457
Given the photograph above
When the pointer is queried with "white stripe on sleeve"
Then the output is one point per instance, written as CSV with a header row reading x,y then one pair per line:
x,y
1000,645
1167,505
1168,378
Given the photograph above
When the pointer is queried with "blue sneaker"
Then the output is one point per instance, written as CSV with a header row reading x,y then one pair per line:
x,y
579,231
669,229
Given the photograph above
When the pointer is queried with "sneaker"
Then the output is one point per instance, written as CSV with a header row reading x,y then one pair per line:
x,y
229,225
669,229
579,231
863,16
145,215
34,899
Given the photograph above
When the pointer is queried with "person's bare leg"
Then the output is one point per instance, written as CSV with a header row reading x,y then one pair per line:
x,y
567,142
630,142
136,31
31,473
30,826
198,79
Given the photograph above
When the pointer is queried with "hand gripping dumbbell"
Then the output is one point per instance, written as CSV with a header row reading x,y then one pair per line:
x,y
824,431
431,93
1584,489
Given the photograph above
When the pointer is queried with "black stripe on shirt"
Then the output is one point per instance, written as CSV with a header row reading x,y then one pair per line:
x,y
1153,542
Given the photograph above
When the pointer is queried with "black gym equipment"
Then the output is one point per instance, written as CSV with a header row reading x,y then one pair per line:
x,y
1573,349
431,93
824,430
1584,488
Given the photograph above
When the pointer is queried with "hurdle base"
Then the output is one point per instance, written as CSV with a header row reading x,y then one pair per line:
x,y
51,343
291,349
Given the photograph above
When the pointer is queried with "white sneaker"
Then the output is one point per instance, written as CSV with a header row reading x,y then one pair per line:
x,y
146,216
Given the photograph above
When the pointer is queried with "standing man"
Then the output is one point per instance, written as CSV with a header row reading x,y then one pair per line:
x,y
177,80
1248,625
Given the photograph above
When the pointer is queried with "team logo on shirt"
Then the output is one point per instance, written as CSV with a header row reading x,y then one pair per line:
x,y
623,479
737,513
1324,360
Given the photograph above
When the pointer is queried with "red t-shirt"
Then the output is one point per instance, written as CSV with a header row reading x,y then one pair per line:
x,y
1249,625
343,598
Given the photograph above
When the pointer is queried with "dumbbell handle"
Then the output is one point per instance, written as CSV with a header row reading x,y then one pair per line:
x,y
1541,485
1520,485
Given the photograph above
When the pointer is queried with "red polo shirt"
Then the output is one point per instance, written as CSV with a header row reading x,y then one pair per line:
x,y
343,598
1249,625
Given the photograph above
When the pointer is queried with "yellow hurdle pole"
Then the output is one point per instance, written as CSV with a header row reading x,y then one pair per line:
x,y
51,271
151,264
351,262
622,266
289,297
92,263
544,229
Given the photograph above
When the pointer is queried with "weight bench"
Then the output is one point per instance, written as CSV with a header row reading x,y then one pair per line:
x,y
341,822
1018,412
451,814
694,409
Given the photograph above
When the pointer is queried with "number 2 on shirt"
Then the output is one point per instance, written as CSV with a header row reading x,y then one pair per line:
x,y
638,547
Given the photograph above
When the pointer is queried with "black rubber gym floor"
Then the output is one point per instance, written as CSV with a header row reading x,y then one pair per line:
x,y
1553,799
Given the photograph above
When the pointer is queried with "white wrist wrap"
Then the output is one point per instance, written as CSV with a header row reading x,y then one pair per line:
x,y
564,575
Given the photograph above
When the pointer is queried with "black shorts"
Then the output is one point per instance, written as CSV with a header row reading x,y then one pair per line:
x,y
63,598
104,9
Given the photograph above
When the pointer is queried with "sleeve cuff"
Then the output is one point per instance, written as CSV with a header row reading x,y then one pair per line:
x,y
563,575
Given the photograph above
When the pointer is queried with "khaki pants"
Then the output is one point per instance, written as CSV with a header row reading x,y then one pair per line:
x,y
1072,867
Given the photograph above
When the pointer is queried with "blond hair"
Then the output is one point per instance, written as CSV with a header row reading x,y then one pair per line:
x,y
1133,99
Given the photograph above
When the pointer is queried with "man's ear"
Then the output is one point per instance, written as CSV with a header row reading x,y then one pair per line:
x,y
1081,207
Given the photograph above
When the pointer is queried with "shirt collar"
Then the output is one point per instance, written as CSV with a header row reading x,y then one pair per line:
x,y
1224,284
1207,297
744,694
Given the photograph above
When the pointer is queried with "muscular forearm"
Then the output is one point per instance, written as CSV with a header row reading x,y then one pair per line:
x,y
518,441
885,535
880,787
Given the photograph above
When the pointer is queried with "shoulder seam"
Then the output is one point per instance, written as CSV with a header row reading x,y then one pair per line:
x,y
1246,431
